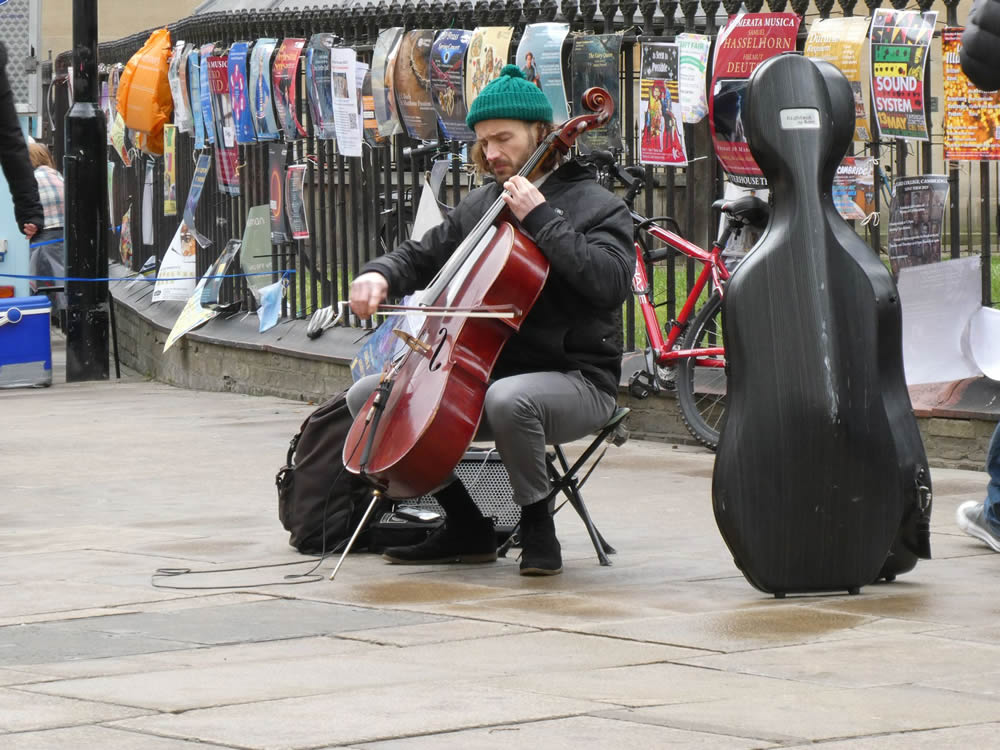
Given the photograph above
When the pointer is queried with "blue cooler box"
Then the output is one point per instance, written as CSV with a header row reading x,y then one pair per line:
x,y
25,343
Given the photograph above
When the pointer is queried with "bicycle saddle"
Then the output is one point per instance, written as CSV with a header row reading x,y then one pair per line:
x,y
749,209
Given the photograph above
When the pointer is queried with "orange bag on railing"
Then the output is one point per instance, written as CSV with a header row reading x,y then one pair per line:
x,y
144,98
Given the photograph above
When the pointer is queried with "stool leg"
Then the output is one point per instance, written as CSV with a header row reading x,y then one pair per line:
x,y
566,483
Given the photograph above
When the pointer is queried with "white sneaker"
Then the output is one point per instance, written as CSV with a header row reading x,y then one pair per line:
x,y
972,521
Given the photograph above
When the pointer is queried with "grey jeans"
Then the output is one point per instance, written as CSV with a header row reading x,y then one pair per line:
x,y
524,413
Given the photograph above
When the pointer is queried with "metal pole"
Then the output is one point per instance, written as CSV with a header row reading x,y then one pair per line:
x,y
86,208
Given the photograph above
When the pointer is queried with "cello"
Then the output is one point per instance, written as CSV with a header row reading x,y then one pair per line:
x,y
418,423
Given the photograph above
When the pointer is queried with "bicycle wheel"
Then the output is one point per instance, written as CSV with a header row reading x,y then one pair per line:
x,y
701,388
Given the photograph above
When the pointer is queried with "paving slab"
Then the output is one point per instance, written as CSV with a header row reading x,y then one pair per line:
x,y
800,712
96,737
22,712
568,734
362,715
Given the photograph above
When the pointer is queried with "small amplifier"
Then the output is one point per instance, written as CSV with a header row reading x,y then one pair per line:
x,y
485,477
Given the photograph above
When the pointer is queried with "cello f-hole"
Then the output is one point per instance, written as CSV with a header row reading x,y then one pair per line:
x,y
435,362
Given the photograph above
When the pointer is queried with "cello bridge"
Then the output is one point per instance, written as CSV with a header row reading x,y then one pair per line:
x,y
413,342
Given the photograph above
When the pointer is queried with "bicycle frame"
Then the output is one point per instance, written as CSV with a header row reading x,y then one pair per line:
x,y
713,269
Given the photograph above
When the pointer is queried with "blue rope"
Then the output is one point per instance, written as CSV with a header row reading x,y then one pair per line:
x,y
284,274
63,239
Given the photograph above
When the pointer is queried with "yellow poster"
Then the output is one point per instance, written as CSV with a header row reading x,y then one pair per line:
x,y
169,170
486,57
841,41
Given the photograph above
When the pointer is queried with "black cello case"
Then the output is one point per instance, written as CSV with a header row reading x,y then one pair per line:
x,y
821,480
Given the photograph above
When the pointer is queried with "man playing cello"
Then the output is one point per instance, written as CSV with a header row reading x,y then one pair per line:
x,y
556,379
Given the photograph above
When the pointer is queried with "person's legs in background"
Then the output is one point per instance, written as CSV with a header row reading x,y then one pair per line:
x,y
982,520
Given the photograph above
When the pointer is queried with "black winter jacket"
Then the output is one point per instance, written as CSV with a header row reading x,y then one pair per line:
x,y
981,45
585,232
14,157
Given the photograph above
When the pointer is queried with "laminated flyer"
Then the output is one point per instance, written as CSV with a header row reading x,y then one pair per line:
x,y
661,130
448,82
693,52
319,84
227,176
412,84
347,120
283,87
916,215
595,62
240,94
971,116
900,41
261,104
747,40
485,58
539,56
383,66
842,41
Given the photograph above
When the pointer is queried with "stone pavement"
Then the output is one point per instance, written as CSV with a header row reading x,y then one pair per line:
x,y
104,483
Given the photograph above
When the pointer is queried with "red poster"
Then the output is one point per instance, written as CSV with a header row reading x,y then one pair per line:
x,y
746,41
286,66
226,152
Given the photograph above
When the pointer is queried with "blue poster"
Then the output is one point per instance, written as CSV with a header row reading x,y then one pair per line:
x,y
319,84
197,183
206,94
448,82
261,104
194,82
240,96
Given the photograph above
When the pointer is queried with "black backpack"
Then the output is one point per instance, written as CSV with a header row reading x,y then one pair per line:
x,y
313,483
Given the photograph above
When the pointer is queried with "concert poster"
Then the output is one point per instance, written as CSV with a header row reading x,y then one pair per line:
x,y
255,254
295,204
854,187
595,62
194,194
369,123
125,239
202,305
383,67
182,117
485,58
916,214
447,65
692,66
226,153
319,84
971,116
412,84
286,66
205,88
177,273
240,94
539,56
194,95
747,40
662,131
261,104
900,42
170,170
277,158
841,41
347,116
182,81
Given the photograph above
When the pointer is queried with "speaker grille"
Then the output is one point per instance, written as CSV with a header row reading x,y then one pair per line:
x,y
484,475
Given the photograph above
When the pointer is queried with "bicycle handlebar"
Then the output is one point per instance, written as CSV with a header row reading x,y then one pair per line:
x,y
426,148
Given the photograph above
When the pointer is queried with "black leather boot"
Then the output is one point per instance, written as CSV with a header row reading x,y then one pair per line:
x,y
541,554
466,537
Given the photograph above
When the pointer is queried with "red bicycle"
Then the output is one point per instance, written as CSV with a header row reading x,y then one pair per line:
x,y
691,359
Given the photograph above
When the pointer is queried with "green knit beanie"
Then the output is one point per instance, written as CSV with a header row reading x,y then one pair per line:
x,y
510,97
